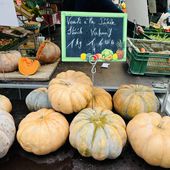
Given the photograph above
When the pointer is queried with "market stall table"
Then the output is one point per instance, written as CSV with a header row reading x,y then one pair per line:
x,y
108,78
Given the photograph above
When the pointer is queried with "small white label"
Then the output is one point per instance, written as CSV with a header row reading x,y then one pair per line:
x,y
105,65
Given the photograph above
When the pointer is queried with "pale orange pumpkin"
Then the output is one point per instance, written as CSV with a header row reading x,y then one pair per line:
x,y
5,103
43,131
9,61
130,100
149,135
70,91
101,98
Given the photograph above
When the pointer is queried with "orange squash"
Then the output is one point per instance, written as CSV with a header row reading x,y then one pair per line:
x,y
48,52
101,98
28,66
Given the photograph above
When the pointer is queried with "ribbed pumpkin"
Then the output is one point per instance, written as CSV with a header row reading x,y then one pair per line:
x,y
98,133
7,132
43,131
9,61
37,99
101,98
48,52
70,91
129,100
5,103
149,135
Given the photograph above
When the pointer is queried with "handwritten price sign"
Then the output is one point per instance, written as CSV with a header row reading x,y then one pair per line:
x,y
95,33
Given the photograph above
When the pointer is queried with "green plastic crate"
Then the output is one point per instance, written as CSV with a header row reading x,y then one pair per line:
x,y
150,62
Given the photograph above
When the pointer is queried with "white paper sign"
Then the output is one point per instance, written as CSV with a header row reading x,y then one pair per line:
x,y
137,10
8,15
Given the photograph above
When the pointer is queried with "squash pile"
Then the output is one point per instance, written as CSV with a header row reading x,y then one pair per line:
x,y
96,131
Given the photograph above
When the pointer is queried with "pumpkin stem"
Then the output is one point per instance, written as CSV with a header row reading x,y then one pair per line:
x,y
97,120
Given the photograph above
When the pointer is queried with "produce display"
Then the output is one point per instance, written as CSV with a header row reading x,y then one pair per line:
x,y
70,91
48,52
9,61
37,99
43,131
27,66
7,132
149,135
4,41
5,104
101,98
130,100
95,131
98,133
160,38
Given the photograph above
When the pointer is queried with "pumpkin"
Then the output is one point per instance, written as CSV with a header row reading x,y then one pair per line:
x,y
149,135
7,132
37,99
9,61
28,66
70,91
98,133
101,98
48,52
130,100
5,103
43,131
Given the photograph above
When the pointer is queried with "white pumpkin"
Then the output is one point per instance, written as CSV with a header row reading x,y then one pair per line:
x,y
98,133
7,132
